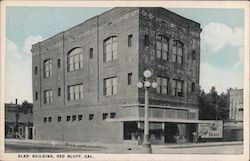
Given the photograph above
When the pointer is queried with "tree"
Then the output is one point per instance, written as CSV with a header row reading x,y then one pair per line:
x,y
25,108
213,106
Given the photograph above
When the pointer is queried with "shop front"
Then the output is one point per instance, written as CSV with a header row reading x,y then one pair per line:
x,y
167,131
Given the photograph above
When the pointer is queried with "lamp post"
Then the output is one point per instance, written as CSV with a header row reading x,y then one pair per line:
x,y
146,84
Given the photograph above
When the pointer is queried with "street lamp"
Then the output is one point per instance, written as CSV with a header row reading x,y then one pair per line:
x,y
146,84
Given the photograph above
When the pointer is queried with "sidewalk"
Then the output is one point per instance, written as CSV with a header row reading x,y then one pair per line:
x,y
206,144
116,148
98,144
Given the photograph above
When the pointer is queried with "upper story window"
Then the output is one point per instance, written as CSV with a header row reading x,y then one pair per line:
x,y
162,47
177,87
110,86
130,40
36,70
48,96
129,78
146,40
193,87
162,85
75,92
75,59
91,53
110,49
193,55
177,52
36,95
47,65
58,63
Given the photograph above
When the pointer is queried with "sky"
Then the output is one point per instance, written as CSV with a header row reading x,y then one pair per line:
x,y
222,43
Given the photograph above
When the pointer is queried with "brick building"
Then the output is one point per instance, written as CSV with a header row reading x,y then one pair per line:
x,y
233,128
84,78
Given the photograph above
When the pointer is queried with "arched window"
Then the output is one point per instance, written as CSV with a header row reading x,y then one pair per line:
x,y
177,52
162,47
47,65
110,49
75,59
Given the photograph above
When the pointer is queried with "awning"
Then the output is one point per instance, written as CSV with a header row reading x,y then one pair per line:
x,y
160,120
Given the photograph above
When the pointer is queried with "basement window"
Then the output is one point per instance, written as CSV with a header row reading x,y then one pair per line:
x,y
79,117
68,118
91,116
112,115
104,116
59,119
45,119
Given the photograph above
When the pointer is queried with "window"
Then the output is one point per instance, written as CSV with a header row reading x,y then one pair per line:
x,y
193,87
59,91
20,130
58,63
47,66
104,116
91,53
59,119
45,119
10,130
162,47
110,86
162,85
177,88
146,40
129,78
110,49
68,118
91,116
177,52
112,115
75,59
75,92
79,117
130,40
49,119
35,70
48,96
193,55
73,117
36,96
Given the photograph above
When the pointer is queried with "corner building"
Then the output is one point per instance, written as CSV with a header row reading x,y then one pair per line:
x,y
84,78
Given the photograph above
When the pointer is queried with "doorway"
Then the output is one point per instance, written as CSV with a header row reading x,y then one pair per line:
x,y
170,132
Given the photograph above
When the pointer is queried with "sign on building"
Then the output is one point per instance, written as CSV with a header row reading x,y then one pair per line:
x,y
211,129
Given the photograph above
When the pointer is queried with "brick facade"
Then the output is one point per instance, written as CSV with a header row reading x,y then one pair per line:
x,y
132,60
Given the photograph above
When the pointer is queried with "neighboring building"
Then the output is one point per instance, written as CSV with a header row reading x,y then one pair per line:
x,y
84,78
235,104
233,128
15,118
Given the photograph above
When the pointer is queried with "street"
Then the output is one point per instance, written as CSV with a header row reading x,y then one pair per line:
x,y
28,148
202,148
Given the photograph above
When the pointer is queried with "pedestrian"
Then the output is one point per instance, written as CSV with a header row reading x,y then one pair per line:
x,y
195,137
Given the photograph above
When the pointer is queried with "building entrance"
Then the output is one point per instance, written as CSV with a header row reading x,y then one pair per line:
x,y
130,131
171,132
